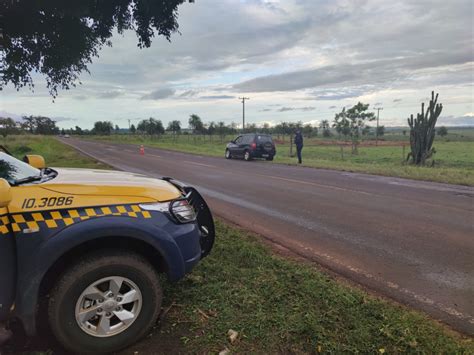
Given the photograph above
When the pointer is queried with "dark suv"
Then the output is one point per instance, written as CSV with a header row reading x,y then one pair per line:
x,y
252,145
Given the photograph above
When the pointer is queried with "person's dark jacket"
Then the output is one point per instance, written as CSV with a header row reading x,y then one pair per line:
x,y
299,140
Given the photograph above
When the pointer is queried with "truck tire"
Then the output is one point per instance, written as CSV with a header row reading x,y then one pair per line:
x,y
105,302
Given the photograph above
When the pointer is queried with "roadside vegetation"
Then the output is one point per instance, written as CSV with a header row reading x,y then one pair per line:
x,y
54,152
275,304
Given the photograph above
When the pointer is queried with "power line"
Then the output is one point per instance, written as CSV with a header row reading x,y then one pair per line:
x,y
243,110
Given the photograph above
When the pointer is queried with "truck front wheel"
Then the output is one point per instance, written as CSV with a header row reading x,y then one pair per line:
x,y
105,303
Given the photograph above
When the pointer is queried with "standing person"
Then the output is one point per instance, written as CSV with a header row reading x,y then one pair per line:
x,y
299,144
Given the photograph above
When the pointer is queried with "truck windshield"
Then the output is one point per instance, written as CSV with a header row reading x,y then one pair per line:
x,y
13,170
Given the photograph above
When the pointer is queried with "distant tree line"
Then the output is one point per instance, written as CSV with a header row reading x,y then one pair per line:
x,y
29,124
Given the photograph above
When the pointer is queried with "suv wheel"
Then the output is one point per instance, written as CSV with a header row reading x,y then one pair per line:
x,y
247,156
105,303
227,154
270,158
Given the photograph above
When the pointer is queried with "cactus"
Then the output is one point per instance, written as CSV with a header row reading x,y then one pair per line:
x,y
422,132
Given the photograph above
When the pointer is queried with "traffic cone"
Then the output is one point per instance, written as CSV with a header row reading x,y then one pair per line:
x,y
142,150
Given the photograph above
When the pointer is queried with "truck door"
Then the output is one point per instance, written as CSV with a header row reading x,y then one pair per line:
x,y
7,265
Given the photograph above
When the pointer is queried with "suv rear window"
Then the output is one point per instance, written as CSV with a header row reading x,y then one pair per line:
x,y
264,139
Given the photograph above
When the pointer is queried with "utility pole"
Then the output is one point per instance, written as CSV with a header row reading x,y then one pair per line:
x,y
243,111
377,129
129,125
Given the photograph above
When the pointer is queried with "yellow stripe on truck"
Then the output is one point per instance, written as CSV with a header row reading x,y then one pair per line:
x,y
65,217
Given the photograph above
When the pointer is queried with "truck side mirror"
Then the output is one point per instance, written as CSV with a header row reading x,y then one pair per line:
x,y
5,193
36,161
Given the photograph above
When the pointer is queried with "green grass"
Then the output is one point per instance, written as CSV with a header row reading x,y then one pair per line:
x,y
276,305
54,152
454,160
282,306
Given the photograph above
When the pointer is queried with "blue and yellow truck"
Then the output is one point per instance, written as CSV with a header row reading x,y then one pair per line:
x,y
81,250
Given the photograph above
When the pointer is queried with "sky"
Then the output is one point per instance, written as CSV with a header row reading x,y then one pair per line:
x,y
297,60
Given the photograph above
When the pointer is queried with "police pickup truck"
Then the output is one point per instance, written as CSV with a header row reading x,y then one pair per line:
x,y
81,250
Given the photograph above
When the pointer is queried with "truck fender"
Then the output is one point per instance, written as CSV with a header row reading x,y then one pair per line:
x,y
37,262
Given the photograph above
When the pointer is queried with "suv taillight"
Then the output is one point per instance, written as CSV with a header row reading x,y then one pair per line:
x,y
253,145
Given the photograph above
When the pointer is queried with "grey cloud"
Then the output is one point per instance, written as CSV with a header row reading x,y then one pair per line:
x,y
373,73
397,100
304,109
265,110
456,121
80,97
332,107
189,93
218,97
159,94
110,94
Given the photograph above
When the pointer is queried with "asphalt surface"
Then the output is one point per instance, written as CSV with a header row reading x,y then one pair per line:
x,y
409,240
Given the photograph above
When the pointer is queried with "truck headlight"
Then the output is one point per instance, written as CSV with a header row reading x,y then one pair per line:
x,y
181,210
159,207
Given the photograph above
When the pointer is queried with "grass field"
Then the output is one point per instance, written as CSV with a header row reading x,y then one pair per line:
x,y
454,160
276,305
54,152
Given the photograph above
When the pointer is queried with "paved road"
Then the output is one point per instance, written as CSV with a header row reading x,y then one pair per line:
x,y
409,240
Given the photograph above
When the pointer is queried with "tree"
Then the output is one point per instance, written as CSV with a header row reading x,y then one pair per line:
x,y
117,129
309,130
442,131
7,126
39,125
324,125
103,128
358,118
175,127
221,130
133,129
380,131
342,124
78,131
195,123
151,126
61,38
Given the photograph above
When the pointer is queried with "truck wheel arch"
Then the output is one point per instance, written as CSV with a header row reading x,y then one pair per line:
x,y
69,244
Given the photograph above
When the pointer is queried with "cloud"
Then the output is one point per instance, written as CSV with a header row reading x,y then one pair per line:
x,y
13,116
80,97
159,94
456,121
469,114
332,107
265,110
110,94
218,97
376,73
288,51
189,93
397,100
304,109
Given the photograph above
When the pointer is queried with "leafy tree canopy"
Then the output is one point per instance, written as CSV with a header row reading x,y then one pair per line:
x,y
60,38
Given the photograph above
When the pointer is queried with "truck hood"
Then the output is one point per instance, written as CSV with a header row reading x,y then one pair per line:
x,y
110,183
